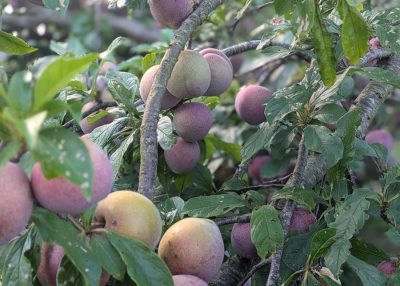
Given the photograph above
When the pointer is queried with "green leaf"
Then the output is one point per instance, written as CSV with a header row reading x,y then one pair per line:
x,y
284,6
57,5
211,206
354,32
59,73
301,196
9,151
380,75
19,96
320,139
117,157
321,242
275,107
369,275
266,230
68,274
329,113
123,87
367,252
148,61
256,142
165,133
230,149
322,42
62,153
12,45
16,269
144,267
55,230
107,256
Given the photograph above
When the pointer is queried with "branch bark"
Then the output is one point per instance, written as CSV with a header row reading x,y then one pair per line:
x,y
148,130
232,271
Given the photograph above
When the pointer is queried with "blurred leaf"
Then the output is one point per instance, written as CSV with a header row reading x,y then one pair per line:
x,y
380,75
230,149
12,45
9,151
62,153
368,274
59,73
320,139
144,266
284,6
212,206
266,230
148,61
367,252
19,96
68,274
58,231
57,5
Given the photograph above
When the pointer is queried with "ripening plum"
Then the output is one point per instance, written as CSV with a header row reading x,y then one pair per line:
x,y
131,214
61,196
237,62
191,76
215,52
301,220
256,165
50,260
188,280
380,136
16,201
88,127
193,121
249,103
172,13
241,240
183,156
388,267
193,246
107,66
168,101
221,74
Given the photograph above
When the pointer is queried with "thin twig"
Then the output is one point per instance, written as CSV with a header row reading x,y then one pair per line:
x,y
93,109
233,219
254,270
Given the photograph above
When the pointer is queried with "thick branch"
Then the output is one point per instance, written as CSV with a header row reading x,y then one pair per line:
x,y
232,271
233,219
148,130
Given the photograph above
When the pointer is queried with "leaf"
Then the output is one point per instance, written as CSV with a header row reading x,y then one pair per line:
x,y
165,133
211,206
19,96
284,6
275,107
367,252
369,275
320,139
266,230
62,153
12,45
322,42
17,269
107,256
117,157
321,243
380,75
9,151
354,32
58,231
123,87
68,274
104,134
301,196
144,267
231,149
59,73
330,113
256,142
57,5
148,61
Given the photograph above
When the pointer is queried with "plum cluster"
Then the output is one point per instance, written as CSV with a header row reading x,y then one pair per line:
x,y
205,73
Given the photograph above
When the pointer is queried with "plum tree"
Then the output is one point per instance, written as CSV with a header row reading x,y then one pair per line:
x,y
191,76
241,240
193,246
61,196
183,156
249,103
380,136
88,127
188,280
256,165
221,74
388,267
16,201
301,219
168,101
50,260
130,214
172,13
193,121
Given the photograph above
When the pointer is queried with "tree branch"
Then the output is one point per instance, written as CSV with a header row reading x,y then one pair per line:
x,y
232,271
233,219
254,270
148,130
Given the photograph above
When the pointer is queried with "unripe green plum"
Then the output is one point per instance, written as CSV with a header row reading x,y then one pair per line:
x,y
50,260
61,196
301,220
168,101
16,201
380,136
191,76
192,121
221,74
388,267
249,103
183,156
131,214
193,246
188,280
107,66
241,240
89,127
172,13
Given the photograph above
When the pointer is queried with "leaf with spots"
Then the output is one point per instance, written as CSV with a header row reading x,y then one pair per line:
x,y
55,230
266,230
62,153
